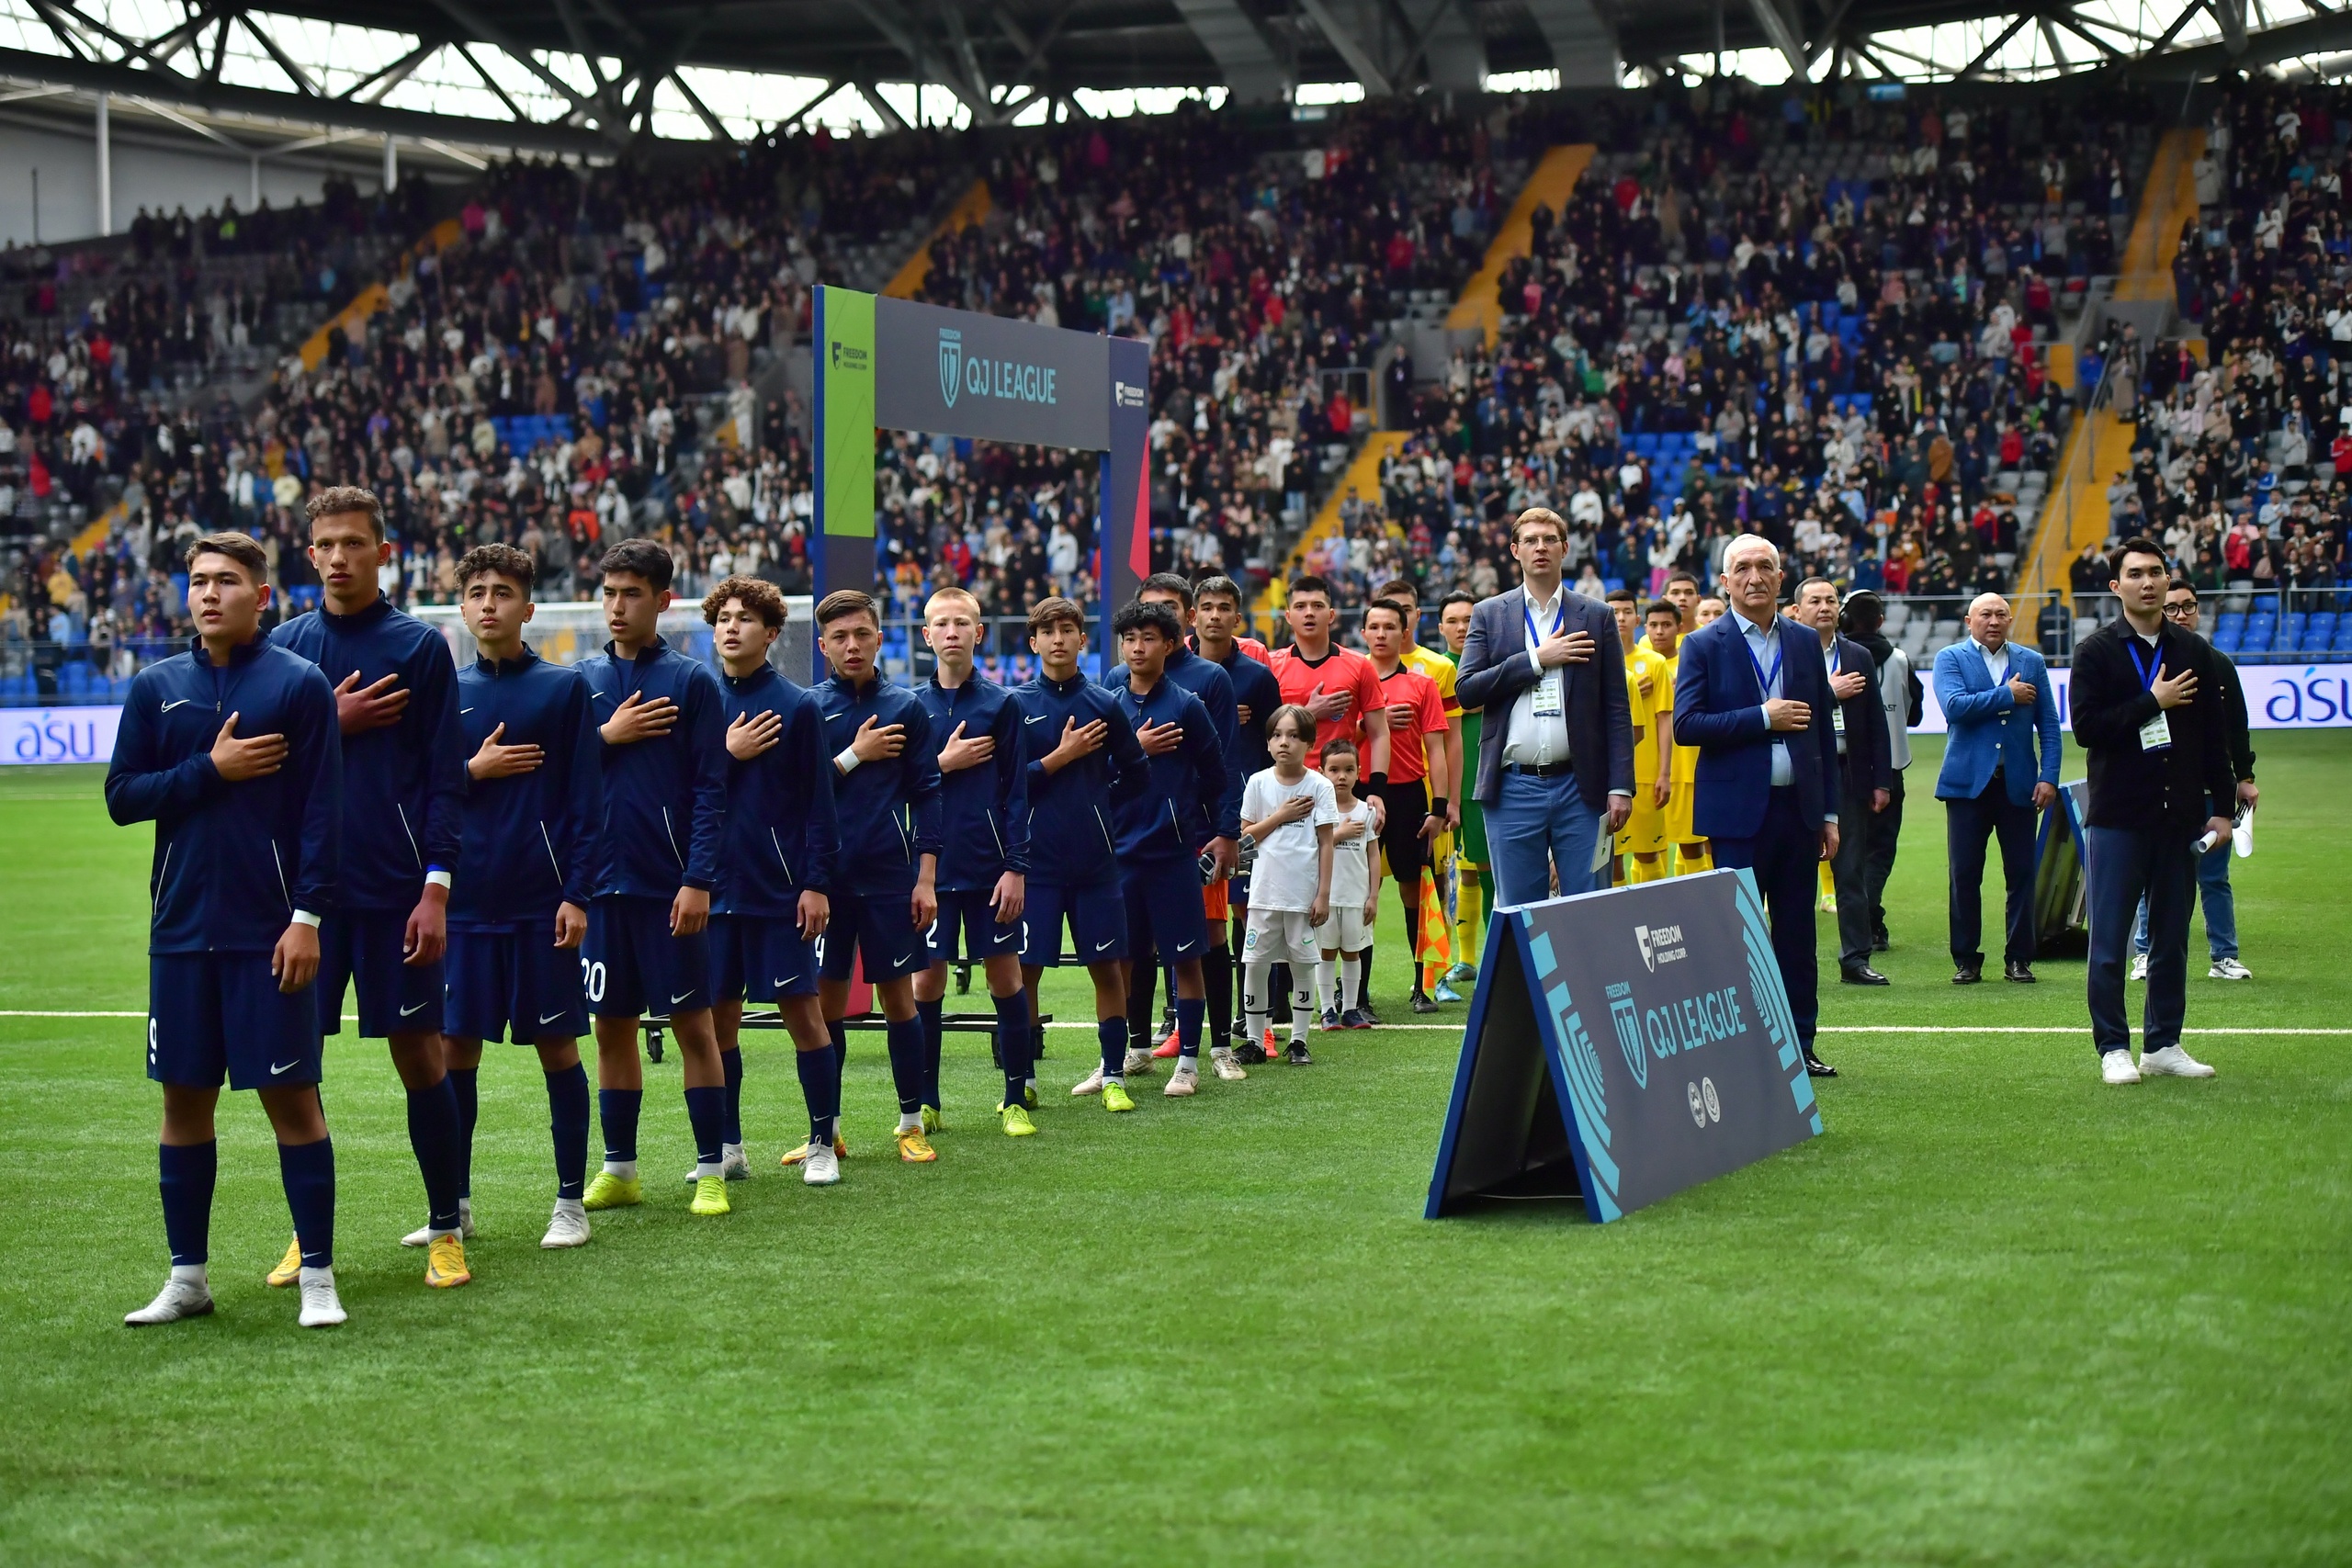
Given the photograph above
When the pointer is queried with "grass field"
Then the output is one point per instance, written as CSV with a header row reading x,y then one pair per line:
x,y
1997,1314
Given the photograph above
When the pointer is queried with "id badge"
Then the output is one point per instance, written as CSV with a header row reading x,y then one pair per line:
x,y
2156,734
1547,696
1838,719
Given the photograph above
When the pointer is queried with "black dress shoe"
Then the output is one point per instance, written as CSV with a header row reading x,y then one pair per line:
x,y
1862,974
1815,1068
2018,972
1968,974
1879,943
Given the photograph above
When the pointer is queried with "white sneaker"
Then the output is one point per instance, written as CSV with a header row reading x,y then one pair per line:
x,y
2228,969
732,1165
2139,967
423,1234
568,1227
822,1167
180,1297
1226,1067
322,1308
1091,1084
2172,1062
1185,1080
1139,1062
2115,1066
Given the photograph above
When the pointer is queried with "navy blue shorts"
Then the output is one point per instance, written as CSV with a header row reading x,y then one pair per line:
x,y
1164,912
761,957
876,927
1237,894
364,948
967,925
1096,914
212,1015
515,984
633,967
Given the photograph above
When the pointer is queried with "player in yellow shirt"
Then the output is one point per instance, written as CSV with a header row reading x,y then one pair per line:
x,y
1441,673
1664,626
1650,692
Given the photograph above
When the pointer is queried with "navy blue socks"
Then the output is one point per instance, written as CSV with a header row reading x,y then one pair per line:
x,y
307,1171
1113,1032
618,1109
707,1115
838,1033
568,1121
433,1133
731,1063
932,1015
906,1063
462,1080
1012,1044
189,1170
820,1086
1189,1013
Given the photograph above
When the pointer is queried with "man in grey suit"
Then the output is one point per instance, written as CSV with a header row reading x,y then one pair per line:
x,y
2000,770
1556,755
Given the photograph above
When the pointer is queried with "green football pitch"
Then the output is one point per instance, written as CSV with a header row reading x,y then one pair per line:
x,y
1998,1313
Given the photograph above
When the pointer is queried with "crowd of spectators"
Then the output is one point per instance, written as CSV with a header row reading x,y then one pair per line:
x,y
1827,323
2241,456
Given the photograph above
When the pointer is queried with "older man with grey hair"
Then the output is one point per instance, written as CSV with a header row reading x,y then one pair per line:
x,y
1752,692
2000,769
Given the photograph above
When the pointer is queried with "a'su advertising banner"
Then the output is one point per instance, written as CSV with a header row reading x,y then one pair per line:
x,y
1622,1047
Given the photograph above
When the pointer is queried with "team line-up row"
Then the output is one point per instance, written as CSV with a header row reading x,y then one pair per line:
x,y
526,850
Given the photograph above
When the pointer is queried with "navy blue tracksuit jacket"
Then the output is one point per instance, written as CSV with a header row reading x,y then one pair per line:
x,y
783,835
404,786
890,808
666,798
232,861
531,839
984,810
1071,840
1185,803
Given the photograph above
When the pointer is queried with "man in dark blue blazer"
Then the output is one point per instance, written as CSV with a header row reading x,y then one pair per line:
x,y
2000,772
1556,758
1752,693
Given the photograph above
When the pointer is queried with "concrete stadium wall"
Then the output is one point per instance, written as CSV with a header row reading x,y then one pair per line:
x,y
154,177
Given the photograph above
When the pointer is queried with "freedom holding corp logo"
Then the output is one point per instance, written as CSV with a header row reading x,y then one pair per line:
x,y
1659,944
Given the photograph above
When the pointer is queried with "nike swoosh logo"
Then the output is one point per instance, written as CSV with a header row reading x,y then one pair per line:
x,y
1100,945
465,710
902,958
682,996
276,1069
551,1017
1035,718
180,703
419,1008
1184,947
781,980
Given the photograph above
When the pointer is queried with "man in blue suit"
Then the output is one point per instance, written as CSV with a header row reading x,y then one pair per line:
x,y
1555,763
2000,769
1752,692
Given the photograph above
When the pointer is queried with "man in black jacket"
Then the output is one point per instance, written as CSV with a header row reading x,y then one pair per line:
x,y
2213,865
1866,776
2159,760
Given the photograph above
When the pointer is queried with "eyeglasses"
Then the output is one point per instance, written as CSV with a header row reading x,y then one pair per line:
x,y
2182,611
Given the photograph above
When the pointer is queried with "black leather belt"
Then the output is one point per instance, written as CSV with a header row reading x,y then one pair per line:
x,y
1547,770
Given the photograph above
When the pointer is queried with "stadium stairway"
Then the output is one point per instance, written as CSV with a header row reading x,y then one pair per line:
x,y
375,296
973,207
1479,305
2099,450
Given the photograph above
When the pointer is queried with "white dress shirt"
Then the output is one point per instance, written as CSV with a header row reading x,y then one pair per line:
x,y
1764,652
1537,741
1997,665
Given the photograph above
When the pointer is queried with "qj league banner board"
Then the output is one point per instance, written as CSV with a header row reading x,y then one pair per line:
x,y
1622,1047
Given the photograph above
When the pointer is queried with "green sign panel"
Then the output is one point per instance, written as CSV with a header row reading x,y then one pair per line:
x,y
845,413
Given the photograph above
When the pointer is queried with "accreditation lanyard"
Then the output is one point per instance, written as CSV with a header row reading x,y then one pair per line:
x,y
2156,734
1764,681
1836,708
1548,702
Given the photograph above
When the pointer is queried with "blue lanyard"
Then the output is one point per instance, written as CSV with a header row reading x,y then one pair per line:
x,y
1836,656
1763,681
1559,617
2150,669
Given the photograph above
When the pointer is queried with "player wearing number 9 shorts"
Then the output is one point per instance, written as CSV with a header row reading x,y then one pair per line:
x,y
517,914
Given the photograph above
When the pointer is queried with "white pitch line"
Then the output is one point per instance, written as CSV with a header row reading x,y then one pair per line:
x,y
1425,1028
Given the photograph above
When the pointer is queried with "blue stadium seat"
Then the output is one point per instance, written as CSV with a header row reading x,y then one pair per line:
x,y
2320,635
2343,643
2228,638
2292,631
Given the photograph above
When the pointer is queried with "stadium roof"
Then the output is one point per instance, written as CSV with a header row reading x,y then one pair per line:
x,y
591,78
